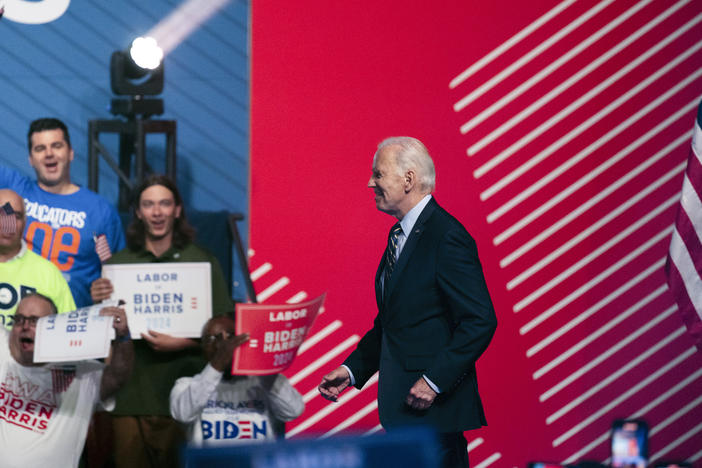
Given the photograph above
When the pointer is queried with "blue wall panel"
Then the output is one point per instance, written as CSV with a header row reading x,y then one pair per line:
x,y
61,69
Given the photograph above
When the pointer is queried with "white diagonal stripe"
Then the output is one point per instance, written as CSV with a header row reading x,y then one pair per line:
x,y
553,147
260,271
597,279
363,412
273,288
667,394
475,443
621,235
608,353
555,92
325,358
558,306
521,224
319,336
324,412
561,169
638,414
467,73
592,336
601,222
614,376
695,457
578,427
678,440
489,460
507,71
307,397
299,297
553,66
681,412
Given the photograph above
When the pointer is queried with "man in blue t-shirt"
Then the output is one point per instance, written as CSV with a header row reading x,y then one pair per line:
x,y
63,219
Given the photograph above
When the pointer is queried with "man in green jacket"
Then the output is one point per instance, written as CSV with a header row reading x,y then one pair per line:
x,y
144,434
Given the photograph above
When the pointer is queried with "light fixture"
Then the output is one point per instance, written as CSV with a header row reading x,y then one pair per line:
x,y
137,73
146,53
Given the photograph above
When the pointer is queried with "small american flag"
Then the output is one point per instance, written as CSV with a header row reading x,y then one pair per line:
x,y
8,222
102,248
61,378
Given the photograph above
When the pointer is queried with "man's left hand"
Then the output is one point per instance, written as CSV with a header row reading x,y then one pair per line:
x,y
420,396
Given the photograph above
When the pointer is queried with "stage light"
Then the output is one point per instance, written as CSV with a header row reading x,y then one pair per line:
x,y
146,53
137,73
129,78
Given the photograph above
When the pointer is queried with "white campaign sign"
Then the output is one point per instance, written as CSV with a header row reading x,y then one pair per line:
x,y
73,336
172,298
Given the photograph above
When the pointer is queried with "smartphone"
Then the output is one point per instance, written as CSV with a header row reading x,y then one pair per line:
x,y
629,444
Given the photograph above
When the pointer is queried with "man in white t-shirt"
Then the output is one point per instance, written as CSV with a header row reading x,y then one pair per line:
x,y
45,409
225,409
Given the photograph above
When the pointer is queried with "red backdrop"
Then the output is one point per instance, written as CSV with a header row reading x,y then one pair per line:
x,y
561,151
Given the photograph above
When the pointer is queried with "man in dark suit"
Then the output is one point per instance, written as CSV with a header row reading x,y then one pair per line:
x,y
435,317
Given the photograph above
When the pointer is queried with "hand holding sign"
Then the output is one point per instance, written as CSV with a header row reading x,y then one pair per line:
x,y
119,322
101,289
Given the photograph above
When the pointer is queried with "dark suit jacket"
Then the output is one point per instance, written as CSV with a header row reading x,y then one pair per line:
x,y
437,319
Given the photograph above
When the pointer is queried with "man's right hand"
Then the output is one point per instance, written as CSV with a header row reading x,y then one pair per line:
x,y
334,383
101,289
224,351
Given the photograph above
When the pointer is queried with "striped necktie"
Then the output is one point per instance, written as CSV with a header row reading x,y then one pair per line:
x,y
391,253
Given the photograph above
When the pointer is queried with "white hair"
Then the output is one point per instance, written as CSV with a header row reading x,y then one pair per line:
x,y
412,155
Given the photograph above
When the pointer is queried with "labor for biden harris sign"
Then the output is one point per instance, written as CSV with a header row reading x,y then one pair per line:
x,y
172,298
275,334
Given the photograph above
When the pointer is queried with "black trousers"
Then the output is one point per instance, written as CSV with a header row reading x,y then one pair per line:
x,y
453,450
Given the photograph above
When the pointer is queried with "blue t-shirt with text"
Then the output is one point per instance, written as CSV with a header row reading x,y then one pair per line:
x,y
61,228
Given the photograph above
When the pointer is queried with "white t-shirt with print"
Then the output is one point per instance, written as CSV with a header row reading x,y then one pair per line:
x,y
229,412
45,410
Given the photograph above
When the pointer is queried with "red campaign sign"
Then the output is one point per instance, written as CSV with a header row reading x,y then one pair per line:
x,y
275,334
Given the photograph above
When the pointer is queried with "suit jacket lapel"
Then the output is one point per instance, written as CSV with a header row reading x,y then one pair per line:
x,y
378,283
